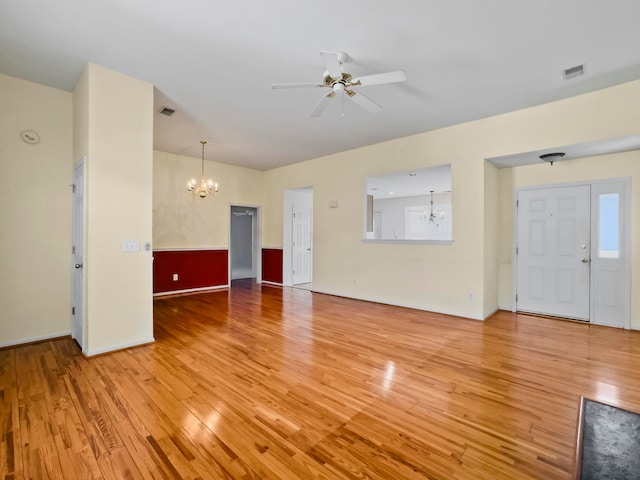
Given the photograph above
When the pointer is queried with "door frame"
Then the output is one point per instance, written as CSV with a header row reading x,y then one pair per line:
x,y
626,238
257,240
74,293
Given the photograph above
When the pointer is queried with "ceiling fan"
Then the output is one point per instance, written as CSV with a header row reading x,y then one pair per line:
x,y
342,83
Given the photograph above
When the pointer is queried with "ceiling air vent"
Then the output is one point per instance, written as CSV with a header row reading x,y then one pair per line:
x,y
574,72
167,111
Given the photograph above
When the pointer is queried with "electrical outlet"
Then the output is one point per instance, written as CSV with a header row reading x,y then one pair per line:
x,y
175,277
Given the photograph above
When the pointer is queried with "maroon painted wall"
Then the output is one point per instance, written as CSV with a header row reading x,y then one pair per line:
x,y
195,269
272,265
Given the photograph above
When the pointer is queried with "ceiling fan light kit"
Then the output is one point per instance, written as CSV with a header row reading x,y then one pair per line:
x,y
341,82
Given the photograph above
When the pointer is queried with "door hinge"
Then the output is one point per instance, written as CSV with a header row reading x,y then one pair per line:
x,y
73,188
73,249
517,203
516,250
516,298
73,310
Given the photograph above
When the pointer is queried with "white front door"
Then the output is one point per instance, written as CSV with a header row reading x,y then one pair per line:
x,y
553,251
77,257
301,245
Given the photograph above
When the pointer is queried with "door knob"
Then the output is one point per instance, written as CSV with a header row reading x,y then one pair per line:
x,y
584,260
78,265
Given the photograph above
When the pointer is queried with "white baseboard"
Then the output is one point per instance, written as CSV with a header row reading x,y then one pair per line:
x,y
190,290
115,348
508,308
493,313
42,338
271,283
404,305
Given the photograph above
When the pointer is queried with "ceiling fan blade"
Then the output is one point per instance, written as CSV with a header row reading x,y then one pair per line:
x,y
296,85
380,78
332,63
322,104
363,101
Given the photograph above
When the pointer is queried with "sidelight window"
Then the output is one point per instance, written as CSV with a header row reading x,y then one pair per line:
x,y
609,225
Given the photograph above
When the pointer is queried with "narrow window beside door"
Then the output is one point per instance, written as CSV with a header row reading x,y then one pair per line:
x,y
609,225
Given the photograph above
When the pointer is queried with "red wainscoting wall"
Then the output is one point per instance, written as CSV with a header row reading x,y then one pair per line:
x,y
272,265
195,269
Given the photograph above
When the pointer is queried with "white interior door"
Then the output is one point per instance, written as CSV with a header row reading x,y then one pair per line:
x,y
301,245
77,249
553,251
377,225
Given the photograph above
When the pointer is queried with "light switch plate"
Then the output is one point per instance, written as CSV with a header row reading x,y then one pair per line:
x,y
130,246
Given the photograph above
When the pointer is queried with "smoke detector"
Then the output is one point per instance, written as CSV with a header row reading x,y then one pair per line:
x,y
30,136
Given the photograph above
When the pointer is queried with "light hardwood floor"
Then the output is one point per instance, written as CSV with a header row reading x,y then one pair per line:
x,y
280,383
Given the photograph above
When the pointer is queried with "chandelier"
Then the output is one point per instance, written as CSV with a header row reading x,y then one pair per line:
x,y
432,216
206,186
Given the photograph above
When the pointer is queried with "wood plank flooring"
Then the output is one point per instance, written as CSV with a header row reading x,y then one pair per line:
x,y
278,383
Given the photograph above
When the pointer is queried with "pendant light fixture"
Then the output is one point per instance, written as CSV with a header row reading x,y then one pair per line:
x,y
206,186
432,216
432,213
552,157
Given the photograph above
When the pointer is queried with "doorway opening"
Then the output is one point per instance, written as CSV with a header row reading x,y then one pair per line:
x,y
244,243
297,251
572,251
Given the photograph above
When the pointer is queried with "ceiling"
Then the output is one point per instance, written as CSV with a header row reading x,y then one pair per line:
x,y
411,183
214,63
570,152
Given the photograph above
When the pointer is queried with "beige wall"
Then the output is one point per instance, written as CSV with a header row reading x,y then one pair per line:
x,y
410,275
569,171
114,126
35,212
183,220
439,278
